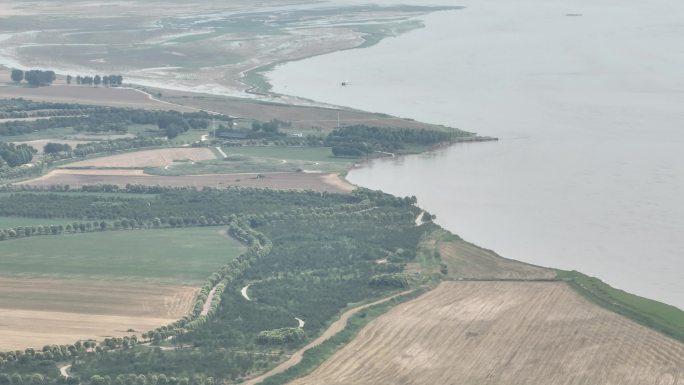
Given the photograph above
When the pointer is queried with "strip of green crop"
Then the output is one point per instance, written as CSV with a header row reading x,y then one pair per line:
x,y
664,318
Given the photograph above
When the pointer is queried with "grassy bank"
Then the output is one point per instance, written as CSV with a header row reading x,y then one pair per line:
x,y
664,318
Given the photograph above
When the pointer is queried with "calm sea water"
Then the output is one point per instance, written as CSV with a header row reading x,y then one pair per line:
x,y
587,98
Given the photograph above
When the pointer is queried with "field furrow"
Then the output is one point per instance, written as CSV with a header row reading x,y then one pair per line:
x,y
503,333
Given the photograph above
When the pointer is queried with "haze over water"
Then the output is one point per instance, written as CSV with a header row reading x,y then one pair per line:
x,y
589,171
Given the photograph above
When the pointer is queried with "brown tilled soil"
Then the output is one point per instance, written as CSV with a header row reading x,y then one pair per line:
x,y
121,177
303,117
114,97
37,312
148,158
501,333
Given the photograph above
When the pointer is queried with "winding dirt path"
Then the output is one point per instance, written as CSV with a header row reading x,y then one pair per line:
x,y
301,322
419,218
64,370
243,291
335,328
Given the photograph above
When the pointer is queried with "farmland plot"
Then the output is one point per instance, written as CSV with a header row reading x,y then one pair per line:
x,y
503,333
148,158
59,289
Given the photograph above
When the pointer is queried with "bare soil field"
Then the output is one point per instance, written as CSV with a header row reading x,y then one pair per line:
x,y
121,177
103,96
36,312
148,158
503,333
303,117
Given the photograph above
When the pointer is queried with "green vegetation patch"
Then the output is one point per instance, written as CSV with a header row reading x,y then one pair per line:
x,y
312,154
262,159
7,222
666,319
179,256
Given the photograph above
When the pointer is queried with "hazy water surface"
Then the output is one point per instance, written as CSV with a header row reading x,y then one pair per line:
x,y
589,171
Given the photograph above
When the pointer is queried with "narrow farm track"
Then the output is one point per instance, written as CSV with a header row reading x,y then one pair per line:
x,y
64,370
207,304
160,157
243,291
503,333
220,150
334,328
419,218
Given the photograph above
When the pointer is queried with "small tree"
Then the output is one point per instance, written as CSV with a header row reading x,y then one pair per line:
x,y
16,379
17,75
68,79
37,379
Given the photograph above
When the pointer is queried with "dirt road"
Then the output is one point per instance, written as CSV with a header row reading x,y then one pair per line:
x,y
207,303
335,328
243,291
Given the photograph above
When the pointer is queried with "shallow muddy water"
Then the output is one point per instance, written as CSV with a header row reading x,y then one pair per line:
x,y
588,174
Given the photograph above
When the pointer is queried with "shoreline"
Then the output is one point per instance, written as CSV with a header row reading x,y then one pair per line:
x,y
343,175
291,100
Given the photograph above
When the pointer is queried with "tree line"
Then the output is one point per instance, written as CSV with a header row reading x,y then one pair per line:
x,y
105,80
33,77
45,78
13,155
168,202
361,140
99,118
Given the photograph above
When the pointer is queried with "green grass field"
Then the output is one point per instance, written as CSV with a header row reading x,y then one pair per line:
x,y
173,256
665,318
7,222
52,133
311,154
263,159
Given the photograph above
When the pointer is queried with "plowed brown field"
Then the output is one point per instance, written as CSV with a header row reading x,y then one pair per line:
x,y
502,333
36,312
115,97
122,177
148,158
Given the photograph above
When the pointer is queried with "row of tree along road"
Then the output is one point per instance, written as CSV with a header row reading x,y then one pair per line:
x,y
39,78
